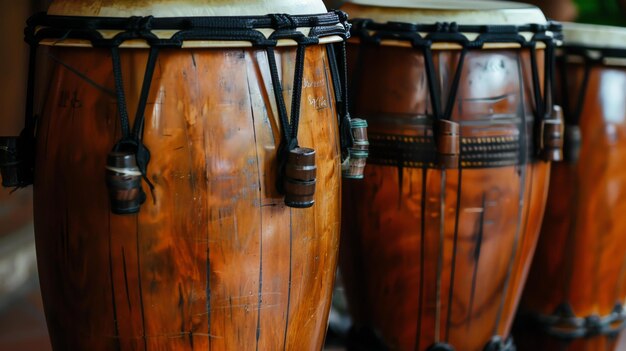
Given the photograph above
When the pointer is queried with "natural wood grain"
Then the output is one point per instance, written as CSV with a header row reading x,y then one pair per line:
x,y
440,256
580,256
216,261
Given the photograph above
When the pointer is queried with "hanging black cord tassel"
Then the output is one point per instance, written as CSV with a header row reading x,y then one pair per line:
x,y
286,143
143,154
548,125
573,133
296,166
128,162
347,140
446,133
353,131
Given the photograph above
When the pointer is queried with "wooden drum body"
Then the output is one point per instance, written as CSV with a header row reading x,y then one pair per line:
x,y
214,260
576,288
434,258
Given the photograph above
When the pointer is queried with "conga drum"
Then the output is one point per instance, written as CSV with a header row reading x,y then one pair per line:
x,y
437,240
15,207
577,284
208,219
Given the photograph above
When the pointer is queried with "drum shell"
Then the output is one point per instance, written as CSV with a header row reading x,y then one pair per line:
x,y
401,236
580,256
213,260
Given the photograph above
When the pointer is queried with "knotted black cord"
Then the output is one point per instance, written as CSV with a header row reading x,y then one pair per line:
x,y
591,56
534,67
564,89
582,93
145,89
297,91
337,65
42,26
441,112
454,88
347,139
134,141
572,113
539,112
289,125
373,32
334,73
549,83
119,92
433,83
278,94
187,23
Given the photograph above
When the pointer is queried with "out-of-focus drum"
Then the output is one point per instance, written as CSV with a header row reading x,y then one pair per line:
x,y
577,284
213,259
15,208
437,241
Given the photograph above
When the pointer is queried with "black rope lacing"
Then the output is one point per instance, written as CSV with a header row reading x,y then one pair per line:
x,y
132,140
572,110
42,26
572,115
289,126
564,324
372,33
339,72
591,56
187,28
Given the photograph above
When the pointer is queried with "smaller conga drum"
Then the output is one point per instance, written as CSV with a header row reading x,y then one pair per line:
x,y
15,207
577,284
437,240
209,218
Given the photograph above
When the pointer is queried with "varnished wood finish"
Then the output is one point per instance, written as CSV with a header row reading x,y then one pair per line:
x,y
300,178
581,256
359,150
431,255
215,261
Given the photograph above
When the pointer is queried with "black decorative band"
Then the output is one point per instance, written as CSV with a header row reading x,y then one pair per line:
x,y
563,323
42,26
593,53
368,339
420,151
423,35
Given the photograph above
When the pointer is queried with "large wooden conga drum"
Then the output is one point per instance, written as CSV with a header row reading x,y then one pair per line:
x,y
577,284
209,219
437,240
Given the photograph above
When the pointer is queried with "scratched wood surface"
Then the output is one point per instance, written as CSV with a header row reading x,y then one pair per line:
x,y
441,256
216,261
581,257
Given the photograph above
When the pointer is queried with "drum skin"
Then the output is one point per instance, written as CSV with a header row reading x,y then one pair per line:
x,y
215,261
441,256
580,256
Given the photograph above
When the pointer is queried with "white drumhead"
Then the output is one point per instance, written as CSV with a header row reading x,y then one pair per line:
x,y
463,12
183,8
595,36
